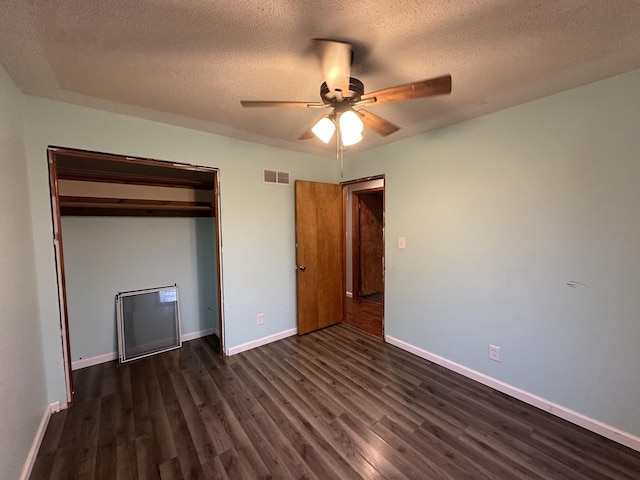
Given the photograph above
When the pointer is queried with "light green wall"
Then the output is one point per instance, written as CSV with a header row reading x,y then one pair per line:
x,y
258,256
22,378
107,255
500,214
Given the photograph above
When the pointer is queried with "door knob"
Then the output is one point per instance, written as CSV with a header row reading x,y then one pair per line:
x,y
302,267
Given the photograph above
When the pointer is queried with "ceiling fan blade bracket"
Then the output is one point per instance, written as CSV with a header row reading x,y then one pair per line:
x,y
279,103
365,101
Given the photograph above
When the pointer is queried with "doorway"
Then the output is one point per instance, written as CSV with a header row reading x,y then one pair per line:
x,y
106,203
364,223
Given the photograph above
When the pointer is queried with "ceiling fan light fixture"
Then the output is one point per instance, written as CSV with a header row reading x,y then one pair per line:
x,y
342,93
350,128
324,129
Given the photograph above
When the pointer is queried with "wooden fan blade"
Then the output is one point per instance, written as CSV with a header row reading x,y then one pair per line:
x,y
267,103
421,89
335,62
306,135
377,124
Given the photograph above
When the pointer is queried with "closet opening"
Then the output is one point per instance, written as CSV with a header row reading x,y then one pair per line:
x,y
132,223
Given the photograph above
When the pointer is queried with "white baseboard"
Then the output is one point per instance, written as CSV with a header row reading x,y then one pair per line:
x,y
349,295
202,333
608,431
107,357
91,361
37,440
261,341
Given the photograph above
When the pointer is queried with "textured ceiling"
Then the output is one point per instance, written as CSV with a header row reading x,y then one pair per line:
x,y
190,62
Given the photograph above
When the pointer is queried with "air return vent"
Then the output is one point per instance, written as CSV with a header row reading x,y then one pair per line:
x,y
276,177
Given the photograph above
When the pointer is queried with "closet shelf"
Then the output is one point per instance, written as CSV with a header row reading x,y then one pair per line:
x,y
101,184
123,207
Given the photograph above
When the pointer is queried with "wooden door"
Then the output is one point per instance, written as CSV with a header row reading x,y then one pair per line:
x,y
370,223
319,255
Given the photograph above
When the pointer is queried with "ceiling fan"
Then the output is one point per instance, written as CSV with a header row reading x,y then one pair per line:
x,y
344,95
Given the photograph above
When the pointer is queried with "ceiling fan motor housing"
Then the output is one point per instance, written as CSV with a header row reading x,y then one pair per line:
x,y
356,90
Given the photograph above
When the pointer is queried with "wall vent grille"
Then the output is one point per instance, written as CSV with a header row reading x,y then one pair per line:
x,y
283,178
275,177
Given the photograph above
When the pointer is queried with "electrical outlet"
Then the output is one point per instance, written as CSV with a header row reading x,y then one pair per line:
x,y
494,353
260,318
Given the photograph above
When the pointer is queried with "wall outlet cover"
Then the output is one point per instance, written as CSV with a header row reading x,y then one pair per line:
x,y
494,353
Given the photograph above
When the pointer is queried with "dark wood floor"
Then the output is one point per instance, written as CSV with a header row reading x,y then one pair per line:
x,y
335,404
365,314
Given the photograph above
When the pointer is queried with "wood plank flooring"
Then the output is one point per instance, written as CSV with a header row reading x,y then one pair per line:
x,y
334,404
365,314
